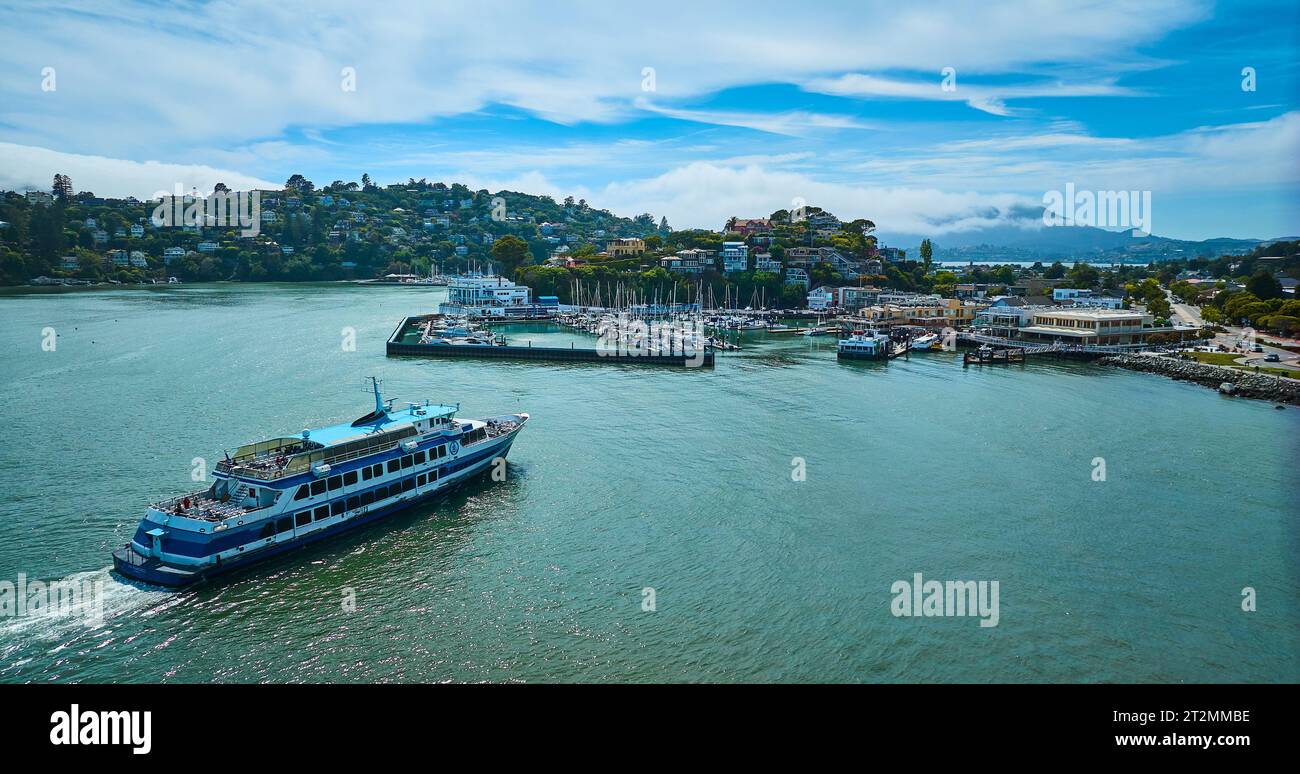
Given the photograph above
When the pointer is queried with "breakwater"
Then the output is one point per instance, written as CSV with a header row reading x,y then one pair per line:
x,y
405,341
1232,381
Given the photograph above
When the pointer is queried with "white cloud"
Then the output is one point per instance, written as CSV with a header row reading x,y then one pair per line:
x,y
704,195
990,99
146,79
24,167
793,123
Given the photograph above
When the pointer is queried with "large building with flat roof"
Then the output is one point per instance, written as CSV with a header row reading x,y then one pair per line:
x,y
1093,325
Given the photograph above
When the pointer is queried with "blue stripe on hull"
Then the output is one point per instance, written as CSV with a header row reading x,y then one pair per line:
x,y
169,575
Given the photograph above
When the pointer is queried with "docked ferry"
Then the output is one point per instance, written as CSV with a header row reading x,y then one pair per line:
x,y
869,345
282,493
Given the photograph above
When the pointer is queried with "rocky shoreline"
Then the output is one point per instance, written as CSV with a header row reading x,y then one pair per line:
x,y
1229,381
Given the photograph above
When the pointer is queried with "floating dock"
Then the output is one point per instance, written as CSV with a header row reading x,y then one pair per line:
x,y
405,342
989,356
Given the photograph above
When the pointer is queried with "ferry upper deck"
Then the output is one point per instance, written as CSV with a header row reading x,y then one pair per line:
x,y
281,457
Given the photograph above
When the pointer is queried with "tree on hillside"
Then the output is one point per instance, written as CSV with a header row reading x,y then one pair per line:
x,y
510,252
1055,271
927,254
1264,285
299,183
62,186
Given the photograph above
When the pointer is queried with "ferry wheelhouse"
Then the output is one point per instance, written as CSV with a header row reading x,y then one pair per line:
x,y
282,493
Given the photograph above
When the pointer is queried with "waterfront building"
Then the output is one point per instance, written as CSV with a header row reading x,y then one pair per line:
x,y
821,298
1070,325
492,296
139,260
854,297
1089,326
207,247
796,276
171,254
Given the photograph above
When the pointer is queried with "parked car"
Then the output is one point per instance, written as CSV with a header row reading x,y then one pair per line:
x,y
1271,358
1258,348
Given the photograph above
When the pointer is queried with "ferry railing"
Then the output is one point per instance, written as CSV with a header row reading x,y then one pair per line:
x,y
202,507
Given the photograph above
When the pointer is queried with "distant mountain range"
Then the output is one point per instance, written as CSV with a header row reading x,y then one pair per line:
x,y
1069,243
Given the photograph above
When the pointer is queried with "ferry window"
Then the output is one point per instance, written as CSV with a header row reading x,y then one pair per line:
x,y
303,491
350,478
354,503
268,530
317,487
378,469
419,458
381,493
394,465
408,485
437,472
365,473
303,518
322,512
406,461
284,525
337,507
420,481
335,482
367,498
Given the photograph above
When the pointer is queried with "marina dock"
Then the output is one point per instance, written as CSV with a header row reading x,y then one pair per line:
x,y
405,342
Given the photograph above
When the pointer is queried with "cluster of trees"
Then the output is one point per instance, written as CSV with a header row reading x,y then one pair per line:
x,y
1247,308
298,245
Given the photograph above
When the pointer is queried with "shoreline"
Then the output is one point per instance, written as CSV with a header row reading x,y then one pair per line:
x,y
1227,380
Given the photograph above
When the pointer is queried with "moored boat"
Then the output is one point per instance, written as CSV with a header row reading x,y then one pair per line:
x,y
865,346
925,341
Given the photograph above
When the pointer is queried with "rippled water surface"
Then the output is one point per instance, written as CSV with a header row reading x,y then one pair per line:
x,y
631,478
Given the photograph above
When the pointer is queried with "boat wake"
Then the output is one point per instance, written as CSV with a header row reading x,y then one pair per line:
x,y
99,598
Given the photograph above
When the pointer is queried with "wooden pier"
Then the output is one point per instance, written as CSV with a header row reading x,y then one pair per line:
x,y
396,345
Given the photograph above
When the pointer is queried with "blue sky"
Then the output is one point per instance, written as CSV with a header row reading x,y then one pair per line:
x,y
751,106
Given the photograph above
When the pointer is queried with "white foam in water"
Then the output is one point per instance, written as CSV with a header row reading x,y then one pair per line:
x,y
114,599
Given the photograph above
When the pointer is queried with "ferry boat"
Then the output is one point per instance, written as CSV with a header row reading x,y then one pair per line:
x,y
283,493
869,345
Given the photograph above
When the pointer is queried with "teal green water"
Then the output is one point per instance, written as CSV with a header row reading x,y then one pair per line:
x,y
631,477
